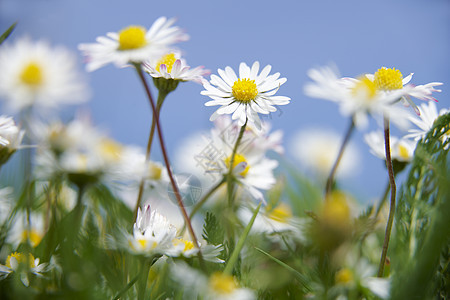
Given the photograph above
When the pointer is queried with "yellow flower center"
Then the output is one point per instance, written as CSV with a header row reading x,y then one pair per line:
x,y
21,259
33,236
281,213
132,37
388,79
244,90
188,245
365,89
336,209
344,276
110,149
222,283
403,152
32,74
155,171
168,60
238,158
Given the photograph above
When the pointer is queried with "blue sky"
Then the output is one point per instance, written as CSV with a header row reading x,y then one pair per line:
x,y
293,36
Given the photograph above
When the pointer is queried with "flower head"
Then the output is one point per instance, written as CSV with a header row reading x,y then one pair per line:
x,y
20,262
402,149
425,121
10,138
133,44
35,74
245,96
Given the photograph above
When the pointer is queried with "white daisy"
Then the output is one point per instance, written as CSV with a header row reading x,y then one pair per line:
x,y
10,138
35,74
152,233
425,121
217,286
357,98
133,44
244,96
172,66
401,149
317,150
15,262
23,232
186,248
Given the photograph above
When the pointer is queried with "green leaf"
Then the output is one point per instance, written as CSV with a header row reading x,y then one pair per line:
x,y
213,232
7,33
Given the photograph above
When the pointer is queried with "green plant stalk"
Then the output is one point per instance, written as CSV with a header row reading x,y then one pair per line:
x,y
230,177
240,244
206,197
143,278
187,220
390,221
127,287
161,98
330,179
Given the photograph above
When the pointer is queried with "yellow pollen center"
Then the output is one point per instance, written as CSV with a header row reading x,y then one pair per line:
x,y
168,60
155,171
33,236
281,213
244,90
238,158
388,79
21,259
344,276
32,75
132,37
222,283
336,209
403,152
188,245
365,89
110,149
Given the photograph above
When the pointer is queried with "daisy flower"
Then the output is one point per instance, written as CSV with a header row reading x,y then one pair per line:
x,y
401,149
218,286
10,138
22,232
152,233
172,66
245,96
133,44
357,98
35,74
317,149
186,248
14,263
425,121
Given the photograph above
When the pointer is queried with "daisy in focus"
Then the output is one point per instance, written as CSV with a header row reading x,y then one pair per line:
x,y
17,261
133,44
172,66
245,96
10,138
35,74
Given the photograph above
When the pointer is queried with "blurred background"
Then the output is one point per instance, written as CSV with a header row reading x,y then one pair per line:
x,y
292,36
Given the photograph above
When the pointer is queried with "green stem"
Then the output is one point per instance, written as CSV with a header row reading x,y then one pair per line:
x,y
330,179
206,197
240,244
143,278
127,287
187,220
161,98
230,177
390,168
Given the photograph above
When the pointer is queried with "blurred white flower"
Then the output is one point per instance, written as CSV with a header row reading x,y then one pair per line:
x,y
317,150
10,138
23,231
217,286
35,74
245,96
172,66
425,121
133,44
401,149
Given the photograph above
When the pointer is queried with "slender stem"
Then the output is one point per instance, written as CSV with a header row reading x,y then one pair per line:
x,y
230,177
240,244
143,277
330,179
166,161
161,97
206,197
127,287
393,192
